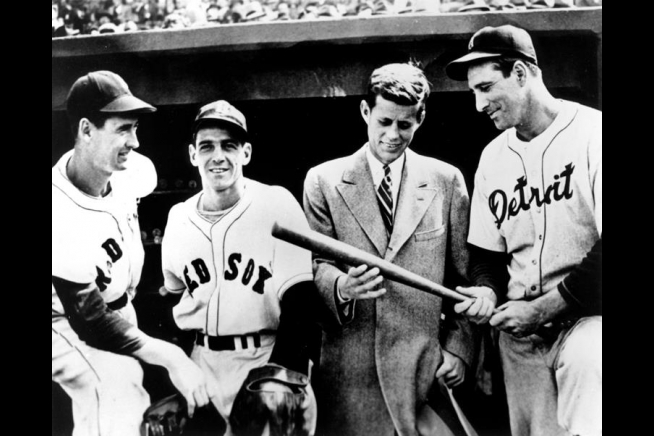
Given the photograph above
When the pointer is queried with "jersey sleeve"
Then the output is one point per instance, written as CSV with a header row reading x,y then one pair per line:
x,y
483,230
139,179
582,288
93,321
70,257
172,279
291,264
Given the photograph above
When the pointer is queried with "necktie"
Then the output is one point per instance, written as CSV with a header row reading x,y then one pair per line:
x,y
385,198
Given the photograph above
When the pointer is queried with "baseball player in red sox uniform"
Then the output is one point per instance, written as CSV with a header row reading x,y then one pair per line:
x,y
537,198
97,258
234,278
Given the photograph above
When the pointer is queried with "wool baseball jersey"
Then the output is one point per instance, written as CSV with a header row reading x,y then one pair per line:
x,y
233,273
541,201
98,240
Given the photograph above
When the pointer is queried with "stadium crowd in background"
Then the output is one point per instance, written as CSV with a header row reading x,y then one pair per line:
x,y
93,17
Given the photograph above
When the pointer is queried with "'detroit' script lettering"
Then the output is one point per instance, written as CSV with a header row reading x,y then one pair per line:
x,y
504,210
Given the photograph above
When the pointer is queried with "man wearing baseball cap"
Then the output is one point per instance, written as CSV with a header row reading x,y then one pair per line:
x,y
538,203
97,257
245,294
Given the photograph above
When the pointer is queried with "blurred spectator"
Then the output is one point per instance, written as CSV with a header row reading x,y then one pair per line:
x,y
194,11
475,6
283,11
58,27
540,4
501,5
129,26
134,11
107,28
75,21
176,20
218,12
329,10
364,9
254,12
294,8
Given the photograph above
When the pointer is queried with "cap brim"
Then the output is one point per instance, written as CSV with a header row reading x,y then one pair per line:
x,y
128,103
458,69
220,120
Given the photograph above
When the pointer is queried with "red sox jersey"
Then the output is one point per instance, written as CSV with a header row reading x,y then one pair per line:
x,y
233,273
98,240
541,201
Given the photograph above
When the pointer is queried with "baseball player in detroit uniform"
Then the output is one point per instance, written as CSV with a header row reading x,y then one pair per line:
x,y
97,258
538,201
218,253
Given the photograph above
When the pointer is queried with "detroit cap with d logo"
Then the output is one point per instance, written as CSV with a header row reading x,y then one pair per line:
x,y
106,92
493,42
223,112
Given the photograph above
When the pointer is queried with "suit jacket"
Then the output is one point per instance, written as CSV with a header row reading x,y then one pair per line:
x,y
377,369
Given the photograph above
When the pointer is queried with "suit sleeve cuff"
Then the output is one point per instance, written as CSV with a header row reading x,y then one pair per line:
x,y
345,308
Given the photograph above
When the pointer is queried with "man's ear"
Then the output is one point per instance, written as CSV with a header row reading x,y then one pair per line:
x,y
192,154
422,115
521,70
84,128
247,153
365,111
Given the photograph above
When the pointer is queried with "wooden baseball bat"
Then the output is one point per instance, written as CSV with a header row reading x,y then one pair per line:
x,y
342,252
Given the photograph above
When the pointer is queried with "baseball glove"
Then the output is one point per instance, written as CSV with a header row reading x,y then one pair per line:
x,y
274,397
166,417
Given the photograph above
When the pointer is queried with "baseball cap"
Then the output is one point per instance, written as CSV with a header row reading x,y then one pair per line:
x,y
493,42
221,111
103,91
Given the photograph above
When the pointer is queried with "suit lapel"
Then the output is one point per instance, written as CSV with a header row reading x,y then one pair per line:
x,y
358,192
414,199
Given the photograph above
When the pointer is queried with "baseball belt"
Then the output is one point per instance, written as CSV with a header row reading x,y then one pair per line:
x,y
228,343
119,303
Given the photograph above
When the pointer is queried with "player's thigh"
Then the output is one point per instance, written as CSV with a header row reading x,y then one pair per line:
x,y
581,348
228,369
579,378
70,365
89,375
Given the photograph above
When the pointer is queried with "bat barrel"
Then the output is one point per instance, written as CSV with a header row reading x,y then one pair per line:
x,y
345,253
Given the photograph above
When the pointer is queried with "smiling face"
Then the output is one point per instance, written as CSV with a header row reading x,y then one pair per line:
x,y
220,155
501,98
391,127
109,146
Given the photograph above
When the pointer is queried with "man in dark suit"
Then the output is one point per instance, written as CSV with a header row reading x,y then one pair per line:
x,y
383,359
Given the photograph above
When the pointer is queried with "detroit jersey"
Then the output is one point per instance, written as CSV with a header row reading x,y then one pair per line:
x,y
541,201
98,240
233,273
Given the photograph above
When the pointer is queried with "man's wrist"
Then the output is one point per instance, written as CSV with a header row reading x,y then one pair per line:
x,y
490,294
550,306
339,295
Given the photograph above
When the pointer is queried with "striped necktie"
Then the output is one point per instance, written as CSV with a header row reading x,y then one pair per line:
x,y
385,198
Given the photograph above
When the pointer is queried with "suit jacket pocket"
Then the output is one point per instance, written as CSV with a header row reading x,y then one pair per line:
x,y
430,234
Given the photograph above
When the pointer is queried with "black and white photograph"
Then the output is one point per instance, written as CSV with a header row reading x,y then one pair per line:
x,y
327,218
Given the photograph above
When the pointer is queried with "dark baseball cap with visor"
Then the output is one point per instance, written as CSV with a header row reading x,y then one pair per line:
x,y
103,92
493,42
220,112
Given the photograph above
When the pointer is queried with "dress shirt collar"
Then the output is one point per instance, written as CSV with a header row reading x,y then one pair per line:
x,y
377,170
